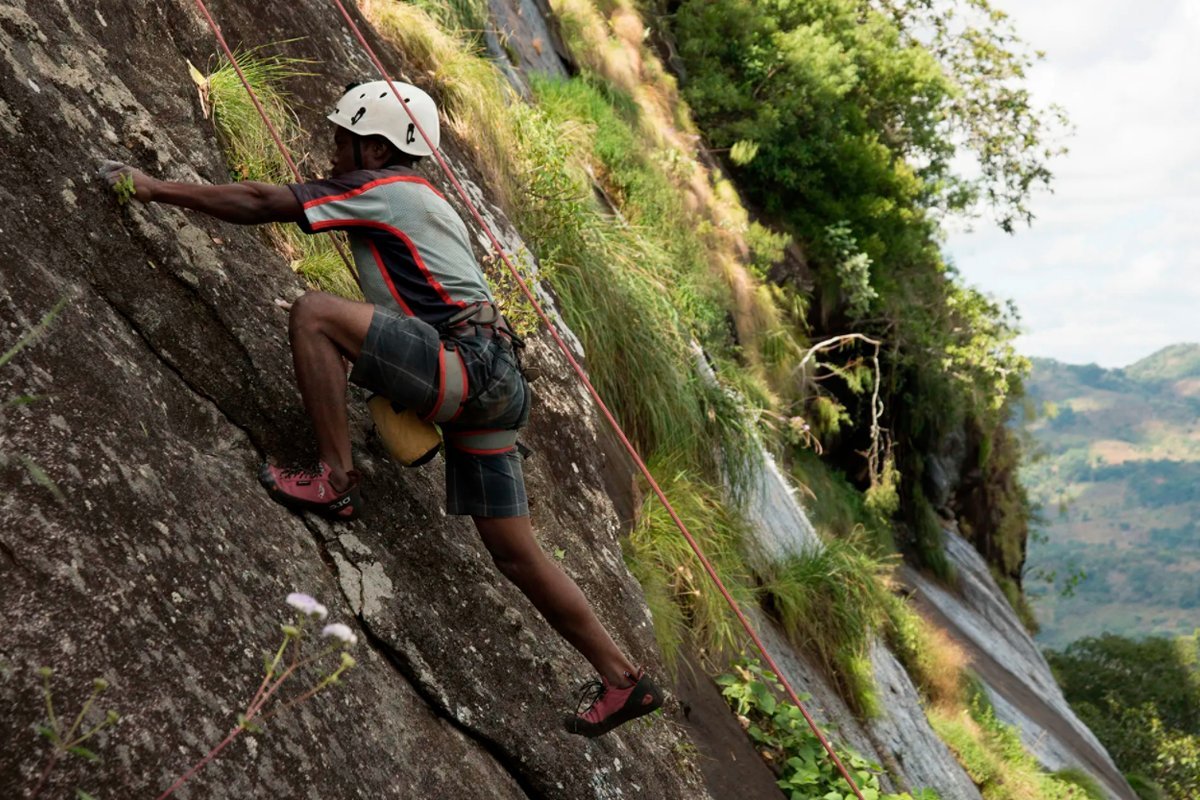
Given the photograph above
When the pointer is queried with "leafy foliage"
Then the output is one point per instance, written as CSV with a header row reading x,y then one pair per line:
x,y
858,111
789,746
1142,700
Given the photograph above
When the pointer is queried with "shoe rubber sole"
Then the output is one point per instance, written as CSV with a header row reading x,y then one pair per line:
x,y
644,699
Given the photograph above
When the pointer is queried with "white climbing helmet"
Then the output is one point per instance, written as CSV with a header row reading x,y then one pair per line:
x,y
371,109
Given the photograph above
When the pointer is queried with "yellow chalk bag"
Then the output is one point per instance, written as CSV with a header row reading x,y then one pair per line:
x,y
409,439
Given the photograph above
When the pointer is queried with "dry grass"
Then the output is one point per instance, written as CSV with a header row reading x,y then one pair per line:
x,y
613,48
475,98
935,662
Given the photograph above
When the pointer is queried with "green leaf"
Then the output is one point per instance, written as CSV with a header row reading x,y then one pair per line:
x,y
42,479
84,753
124,188
80,794
247,725
22,400
48,732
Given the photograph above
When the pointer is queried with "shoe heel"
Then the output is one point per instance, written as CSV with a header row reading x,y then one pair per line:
x,y
352,509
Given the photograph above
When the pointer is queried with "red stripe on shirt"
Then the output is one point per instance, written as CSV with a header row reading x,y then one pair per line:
x,y
412,248
388,280
366,187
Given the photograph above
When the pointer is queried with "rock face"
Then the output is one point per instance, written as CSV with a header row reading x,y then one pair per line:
x,y
163,384
901,739
1017,677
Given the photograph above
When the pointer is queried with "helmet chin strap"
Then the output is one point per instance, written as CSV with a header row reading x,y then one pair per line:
x,y
356,144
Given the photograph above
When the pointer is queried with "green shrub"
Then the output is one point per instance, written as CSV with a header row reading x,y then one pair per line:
x,y
783,737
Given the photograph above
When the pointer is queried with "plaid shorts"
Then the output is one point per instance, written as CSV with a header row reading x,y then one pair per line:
x,y
399,360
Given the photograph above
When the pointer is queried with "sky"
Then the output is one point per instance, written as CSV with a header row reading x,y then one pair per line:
x,y
1110,270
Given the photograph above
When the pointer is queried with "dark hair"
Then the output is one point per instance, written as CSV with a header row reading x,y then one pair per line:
x,y
396,157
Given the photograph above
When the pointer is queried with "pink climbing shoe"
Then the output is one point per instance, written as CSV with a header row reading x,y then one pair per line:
x,y
609,706
306,490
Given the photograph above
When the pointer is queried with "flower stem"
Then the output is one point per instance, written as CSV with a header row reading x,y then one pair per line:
x,y
328,679
49,703
79,719
196,768
55,754
295,665
83,737
270,673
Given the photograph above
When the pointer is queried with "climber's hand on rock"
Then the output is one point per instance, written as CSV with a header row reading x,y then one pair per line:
x,y
137,185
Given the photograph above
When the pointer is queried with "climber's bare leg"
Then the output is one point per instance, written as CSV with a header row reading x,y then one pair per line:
x,y
516,553
325,329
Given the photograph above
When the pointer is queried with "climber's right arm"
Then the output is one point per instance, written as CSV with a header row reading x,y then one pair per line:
x,y
245,203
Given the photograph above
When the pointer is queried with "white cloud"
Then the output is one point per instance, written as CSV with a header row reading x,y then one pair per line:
x,y
1110,271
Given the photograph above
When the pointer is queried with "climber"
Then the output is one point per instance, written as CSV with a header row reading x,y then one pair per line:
x,y
429,338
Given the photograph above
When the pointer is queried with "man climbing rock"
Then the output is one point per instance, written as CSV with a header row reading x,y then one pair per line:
x,y
430,339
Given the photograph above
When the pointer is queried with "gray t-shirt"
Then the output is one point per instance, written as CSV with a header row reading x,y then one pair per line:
x,y
411,248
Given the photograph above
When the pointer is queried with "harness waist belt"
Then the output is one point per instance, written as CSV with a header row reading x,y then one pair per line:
x,y
481,442
452,391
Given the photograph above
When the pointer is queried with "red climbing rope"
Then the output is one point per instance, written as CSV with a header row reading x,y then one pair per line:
x,y
601,404
270,125
612,421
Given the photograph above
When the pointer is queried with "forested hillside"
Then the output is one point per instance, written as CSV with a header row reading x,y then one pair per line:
x,y
1116,477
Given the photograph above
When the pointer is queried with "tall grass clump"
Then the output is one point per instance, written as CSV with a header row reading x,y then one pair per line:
x,y
252,155
686,605
624,165
831,600
934,662
993,756
250,151
467,19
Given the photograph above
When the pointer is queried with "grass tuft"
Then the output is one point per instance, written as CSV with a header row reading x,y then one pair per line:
x,y
933,660
831,601
252,155
992,754
685,603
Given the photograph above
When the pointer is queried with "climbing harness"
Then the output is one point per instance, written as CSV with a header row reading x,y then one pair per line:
x,y
575,366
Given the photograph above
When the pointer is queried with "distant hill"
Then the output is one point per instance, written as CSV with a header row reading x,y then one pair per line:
x,y
1118,480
